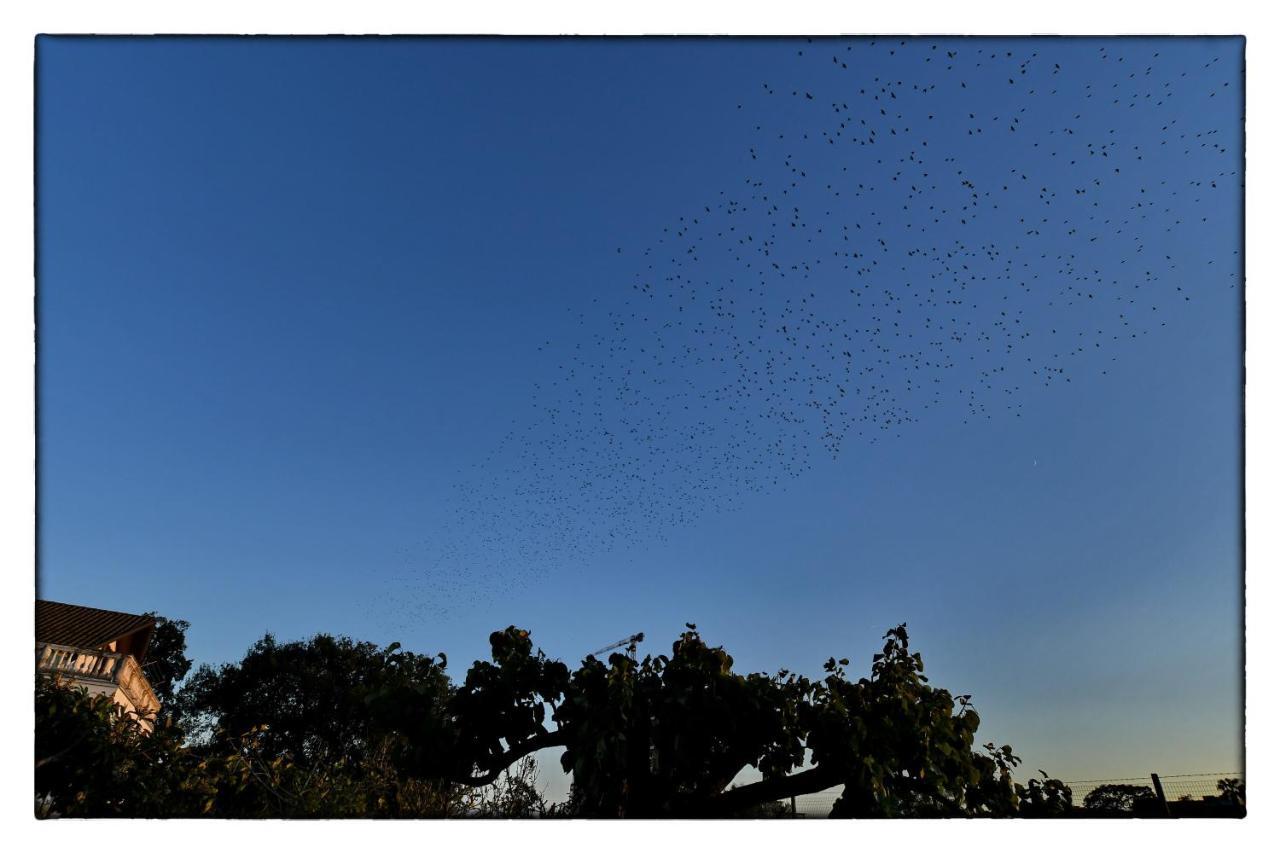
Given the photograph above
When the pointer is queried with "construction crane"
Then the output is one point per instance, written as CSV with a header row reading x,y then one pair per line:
x,y
630,642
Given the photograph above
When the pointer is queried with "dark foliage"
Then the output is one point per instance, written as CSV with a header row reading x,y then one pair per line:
x,y
667,736
92,759
1231,792
334,728
1120,799
313,700
167,662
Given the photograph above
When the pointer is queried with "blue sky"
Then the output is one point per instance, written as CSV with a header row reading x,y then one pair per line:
x,y
305,307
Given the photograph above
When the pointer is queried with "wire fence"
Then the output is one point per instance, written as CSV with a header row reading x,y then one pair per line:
x,y
1185,793
1196,786
1080,790
818,804
1176,787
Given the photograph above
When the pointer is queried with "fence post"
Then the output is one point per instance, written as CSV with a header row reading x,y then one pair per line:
x,y
793,805
1164,804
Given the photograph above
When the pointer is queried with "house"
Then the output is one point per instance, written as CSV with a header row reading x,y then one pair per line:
x,y
100,650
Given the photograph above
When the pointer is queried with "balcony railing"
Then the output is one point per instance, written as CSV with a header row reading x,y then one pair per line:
x,y
95,665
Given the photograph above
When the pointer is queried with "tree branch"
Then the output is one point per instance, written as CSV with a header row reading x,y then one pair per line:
x,y
806,782
511,756
57,756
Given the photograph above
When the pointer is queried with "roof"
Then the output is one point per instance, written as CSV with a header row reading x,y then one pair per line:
x,y
90,627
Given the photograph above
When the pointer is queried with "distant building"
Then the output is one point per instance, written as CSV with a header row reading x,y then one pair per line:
x,y
101,650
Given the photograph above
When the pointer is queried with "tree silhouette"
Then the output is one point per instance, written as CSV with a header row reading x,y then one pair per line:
x,y
93,759
1118,798
1231,791
666,736
167,662
330,727
308,700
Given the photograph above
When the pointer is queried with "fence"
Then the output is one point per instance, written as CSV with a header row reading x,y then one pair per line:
x,y
1195,786
1183,792
1174,794
816,805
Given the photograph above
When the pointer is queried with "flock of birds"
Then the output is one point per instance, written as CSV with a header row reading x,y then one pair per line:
x,y
925,228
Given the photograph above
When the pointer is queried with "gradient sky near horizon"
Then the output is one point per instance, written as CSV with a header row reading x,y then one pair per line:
x,y
318,318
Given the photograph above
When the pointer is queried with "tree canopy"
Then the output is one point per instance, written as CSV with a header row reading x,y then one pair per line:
x,y
92,759
666,736
334,727
1119,798
309,700
167,662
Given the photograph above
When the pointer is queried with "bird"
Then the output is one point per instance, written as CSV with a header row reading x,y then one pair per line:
x,y
908,241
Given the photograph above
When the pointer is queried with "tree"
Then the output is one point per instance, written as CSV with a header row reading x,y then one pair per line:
x,y
1044,797
95,760
312,700
329,727
317,727
167,662
667,735
1119,798
92,759
1231,792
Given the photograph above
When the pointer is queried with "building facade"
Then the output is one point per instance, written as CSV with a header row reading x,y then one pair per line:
x,y
100,650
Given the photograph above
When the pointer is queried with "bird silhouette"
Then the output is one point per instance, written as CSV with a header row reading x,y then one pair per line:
x,y
947,247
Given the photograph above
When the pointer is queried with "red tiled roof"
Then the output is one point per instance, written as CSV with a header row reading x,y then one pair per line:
x,y
89,627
